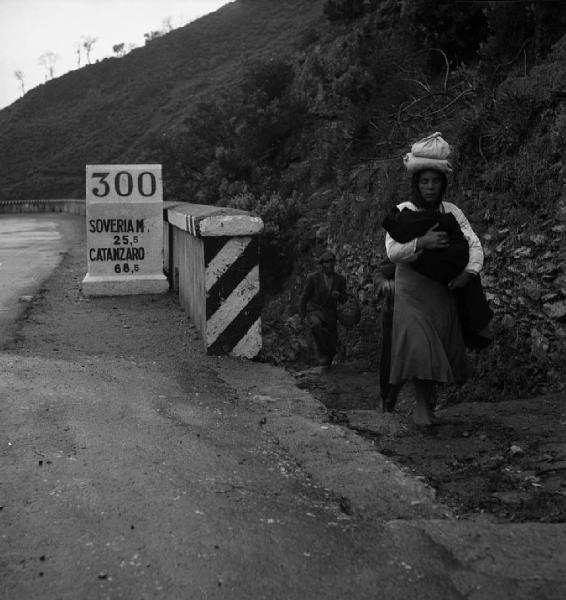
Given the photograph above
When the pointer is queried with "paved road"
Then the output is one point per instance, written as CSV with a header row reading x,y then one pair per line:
x,y
130,470
31,246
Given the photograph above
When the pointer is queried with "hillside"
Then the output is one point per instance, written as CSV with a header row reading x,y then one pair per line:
x,y
104,112
302,110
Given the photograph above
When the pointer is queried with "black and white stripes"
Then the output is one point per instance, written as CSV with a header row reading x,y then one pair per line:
x,y
215,265
233,296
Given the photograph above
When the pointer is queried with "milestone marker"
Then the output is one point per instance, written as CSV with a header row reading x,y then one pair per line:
x,y
124,225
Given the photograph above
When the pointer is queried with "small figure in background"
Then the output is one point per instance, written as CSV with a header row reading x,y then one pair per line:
x,y
322,292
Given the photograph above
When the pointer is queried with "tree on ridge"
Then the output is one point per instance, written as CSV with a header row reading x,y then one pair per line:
x,y
48,60
20,77
88,42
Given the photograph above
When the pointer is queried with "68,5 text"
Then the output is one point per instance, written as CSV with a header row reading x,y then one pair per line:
x,y
126,268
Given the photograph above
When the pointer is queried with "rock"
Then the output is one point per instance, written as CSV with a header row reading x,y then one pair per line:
x,y
551,297
539,344
516,450
539,239
507,321
294,323
522,252
513,498
549,268
533,291
555,310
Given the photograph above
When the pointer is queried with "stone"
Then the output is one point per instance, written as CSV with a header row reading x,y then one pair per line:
x,y
539,344
555,310
522,252
515,450
512,498
533,291
539,239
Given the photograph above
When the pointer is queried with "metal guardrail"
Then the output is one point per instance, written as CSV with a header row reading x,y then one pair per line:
x,y
66,205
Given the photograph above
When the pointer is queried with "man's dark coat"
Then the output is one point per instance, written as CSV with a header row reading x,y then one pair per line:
x,y
317,296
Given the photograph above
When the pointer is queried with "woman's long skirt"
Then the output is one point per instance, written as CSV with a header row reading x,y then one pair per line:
x,y
427,338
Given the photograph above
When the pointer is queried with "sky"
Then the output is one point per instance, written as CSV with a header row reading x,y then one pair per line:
x,y
30,29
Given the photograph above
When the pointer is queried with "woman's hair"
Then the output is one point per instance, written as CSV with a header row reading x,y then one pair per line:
x,y
417,198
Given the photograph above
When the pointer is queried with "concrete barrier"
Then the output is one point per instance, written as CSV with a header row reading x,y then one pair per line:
x,y
65,205
211,257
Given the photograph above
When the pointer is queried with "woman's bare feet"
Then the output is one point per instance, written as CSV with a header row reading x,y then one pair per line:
x,y
423,415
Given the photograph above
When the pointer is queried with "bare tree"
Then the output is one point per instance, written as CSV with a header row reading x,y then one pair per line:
x,y
88,42
20,77
78,51
167,24
48,60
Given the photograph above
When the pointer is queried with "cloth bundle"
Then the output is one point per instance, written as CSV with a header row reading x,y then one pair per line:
x,y
444,265
429,153
441,265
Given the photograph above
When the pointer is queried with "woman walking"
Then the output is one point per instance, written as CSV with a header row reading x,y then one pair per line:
x,y
427,342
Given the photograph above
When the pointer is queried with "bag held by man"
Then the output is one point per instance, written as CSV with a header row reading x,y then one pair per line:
x,y
350,313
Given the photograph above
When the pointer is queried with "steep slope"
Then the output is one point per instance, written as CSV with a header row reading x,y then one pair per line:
x,y
102,112
509,177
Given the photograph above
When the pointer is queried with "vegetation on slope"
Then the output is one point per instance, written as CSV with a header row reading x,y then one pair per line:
x,y
104,112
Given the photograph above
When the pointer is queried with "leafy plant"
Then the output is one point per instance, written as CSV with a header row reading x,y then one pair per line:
x,y
277,243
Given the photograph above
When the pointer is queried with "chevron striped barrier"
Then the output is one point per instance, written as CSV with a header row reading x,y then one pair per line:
x,y
212,260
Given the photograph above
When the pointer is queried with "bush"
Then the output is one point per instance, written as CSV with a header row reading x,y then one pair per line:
x,y
456,28
344,10
521,34
277,243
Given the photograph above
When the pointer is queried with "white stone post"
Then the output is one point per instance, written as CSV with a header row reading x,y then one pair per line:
x,y
124,225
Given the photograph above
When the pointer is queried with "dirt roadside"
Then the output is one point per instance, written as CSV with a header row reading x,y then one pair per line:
x,y
502,459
